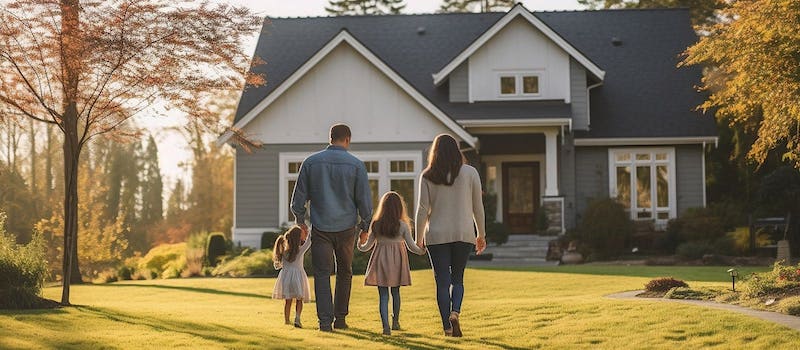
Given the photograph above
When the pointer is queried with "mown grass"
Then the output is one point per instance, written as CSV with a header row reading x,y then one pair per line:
x,y
544,308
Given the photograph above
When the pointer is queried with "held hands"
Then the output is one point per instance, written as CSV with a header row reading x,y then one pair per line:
x,y
362,237
304,235
480,245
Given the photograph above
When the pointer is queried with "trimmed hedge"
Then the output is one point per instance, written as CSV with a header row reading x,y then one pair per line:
x,y
216,248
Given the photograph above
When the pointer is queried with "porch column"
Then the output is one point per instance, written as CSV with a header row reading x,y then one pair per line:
x,y
551,163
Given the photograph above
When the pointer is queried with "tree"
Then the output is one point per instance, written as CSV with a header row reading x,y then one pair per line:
x,y
152,186
702,11
87,67
365,7
754,77
476,5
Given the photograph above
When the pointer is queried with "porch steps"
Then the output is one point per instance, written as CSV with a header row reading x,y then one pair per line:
x,y
521,250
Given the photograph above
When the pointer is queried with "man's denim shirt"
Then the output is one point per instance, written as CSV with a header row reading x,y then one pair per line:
x,y
336,183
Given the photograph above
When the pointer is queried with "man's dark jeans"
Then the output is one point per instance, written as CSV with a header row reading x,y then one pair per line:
x,y
324,247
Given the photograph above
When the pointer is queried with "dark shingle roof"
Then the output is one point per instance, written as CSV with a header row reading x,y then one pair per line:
x,y
644,94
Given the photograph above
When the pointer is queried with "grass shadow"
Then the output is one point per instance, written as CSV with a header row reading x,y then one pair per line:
x,y
211,332
189,289
401,342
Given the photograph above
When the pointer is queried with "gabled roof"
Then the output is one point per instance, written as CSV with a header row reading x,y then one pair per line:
x,y
643,93
341,38
517,11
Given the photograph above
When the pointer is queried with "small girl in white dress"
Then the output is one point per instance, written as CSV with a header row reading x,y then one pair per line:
x,y
292,282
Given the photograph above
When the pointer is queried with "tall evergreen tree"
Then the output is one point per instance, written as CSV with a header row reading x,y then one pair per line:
x,y
176,205
152,185
476,5
364,7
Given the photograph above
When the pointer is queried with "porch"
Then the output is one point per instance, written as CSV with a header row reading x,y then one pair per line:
x,y
520,169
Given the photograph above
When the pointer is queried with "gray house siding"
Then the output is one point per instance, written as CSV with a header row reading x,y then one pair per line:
x,y
689,175
566,182
257,188
591,177
578,96
459,83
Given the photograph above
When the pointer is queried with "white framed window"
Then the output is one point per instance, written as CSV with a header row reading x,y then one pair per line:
x,y
643,181
392,170
520,84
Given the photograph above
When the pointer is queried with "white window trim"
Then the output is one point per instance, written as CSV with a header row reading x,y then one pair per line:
x,y
670,162
518,75
384,176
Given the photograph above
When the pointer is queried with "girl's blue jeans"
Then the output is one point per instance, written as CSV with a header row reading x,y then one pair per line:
x,y
383,305
449,261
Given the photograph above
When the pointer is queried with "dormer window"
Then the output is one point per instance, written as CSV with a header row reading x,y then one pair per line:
x,y
519,84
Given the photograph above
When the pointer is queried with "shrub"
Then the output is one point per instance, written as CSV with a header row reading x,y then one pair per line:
x,y
693,294
22,270
106,276
696,224
258,263
497,233
791,306
693,250
124,272
542,222
781,279
161,258
664,284
268,239
195,254
216,248
605,228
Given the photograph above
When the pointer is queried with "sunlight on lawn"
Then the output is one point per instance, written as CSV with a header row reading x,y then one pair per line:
x,y
503,309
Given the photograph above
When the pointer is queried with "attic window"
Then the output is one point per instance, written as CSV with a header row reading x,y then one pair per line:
x,y
508,85
530,84
519,84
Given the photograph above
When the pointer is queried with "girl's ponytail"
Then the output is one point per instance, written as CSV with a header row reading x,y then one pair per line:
x,y
278,250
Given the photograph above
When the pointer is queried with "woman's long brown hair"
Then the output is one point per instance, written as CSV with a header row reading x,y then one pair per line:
x,y
287,244
391,211
444,161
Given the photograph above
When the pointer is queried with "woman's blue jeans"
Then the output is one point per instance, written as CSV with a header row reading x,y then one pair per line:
x,y
448,261
383,305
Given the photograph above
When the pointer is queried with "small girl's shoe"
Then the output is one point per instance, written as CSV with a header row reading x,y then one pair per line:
x,y
448,332
455,323
297,323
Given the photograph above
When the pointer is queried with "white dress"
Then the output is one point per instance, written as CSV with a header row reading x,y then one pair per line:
x,y
292,282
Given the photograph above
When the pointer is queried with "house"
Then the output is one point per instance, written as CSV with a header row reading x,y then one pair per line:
x,y
554,108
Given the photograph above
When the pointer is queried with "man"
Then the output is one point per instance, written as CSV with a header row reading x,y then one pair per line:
x,y
336,185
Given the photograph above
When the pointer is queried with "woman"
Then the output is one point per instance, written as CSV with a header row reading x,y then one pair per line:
x,y
448,212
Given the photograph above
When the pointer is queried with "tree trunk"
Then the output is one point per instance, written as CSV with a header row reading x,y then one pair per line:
x,y
70,64
48,163
32,137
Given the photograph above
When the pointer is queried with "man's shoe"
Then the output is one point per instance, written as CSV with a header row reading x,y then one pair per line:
x,y
340,324
325,328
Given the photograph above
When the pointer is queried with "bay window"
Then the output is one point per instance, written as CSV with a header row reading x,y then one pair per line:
x,y
643,181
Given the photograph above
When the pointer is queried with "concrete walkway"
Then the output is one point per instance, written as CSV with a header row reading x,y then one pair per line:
x,y
792,322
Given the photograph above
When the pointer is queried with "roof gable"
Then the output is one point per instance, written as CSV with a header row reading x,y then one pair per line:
x,y
517,11
344,37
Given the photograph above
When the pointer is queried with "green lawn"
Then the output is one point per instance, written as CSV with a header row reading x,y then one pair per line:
x,y
552,307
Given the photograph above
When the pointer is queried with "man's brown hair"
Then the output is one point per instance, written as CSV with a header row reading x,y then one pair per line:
x,y
339,132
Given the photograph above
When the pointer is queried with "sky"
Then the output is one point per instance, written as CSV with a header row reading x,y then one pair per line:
x,y
173,150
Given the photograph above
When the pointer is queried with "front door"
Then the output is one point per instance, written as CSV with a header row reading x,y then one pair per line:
x,y
520,196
